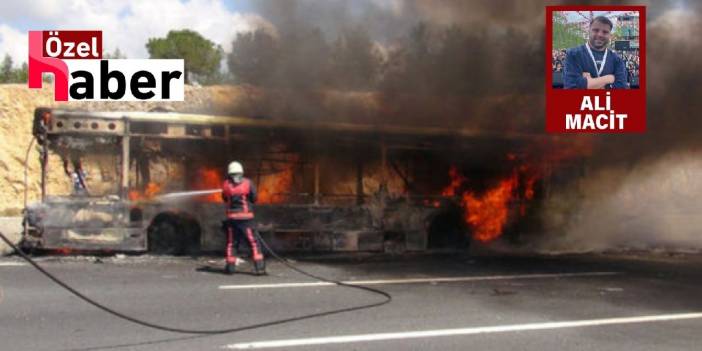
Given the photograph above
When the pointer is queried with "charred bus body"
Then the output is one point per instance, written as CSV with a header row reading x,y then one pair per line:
x,y
323,186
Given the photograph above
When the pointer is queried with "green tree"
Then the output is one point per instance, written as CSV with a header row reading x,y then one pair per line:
x,y
202,57
6,69
8,74
566,35
20,74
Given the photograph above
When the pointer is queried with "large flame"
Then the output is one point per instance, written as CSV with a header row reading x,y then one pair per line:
x,y
152,189
274,188
208,178
487,214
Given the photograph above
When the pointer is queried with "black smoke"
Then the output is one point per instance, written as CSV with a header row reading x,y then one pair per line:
x,y
479,65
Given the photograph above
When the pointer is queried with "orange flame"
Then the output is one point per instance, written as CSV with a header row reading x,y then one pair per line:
x,y
272,188
152,189
208,178
456,181
488,214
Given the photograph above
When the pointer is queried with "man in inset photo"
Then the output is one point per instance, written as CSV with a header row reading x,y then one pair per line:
x,y
593,65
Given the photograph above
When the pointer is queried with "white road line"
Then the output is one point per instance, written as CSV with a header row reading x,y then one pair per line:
x,y
12,264
419,280
461,331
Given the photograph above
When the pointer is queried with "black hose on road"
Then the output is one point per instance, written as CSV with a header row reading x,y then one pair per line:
x,y
386,298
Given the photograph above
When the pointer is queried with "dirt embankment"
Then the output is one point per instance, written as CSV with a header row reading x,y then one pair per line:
x,y
17,104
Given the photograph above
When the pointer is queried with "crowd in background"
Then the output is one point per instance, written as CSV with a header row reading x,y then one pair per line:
x,y
631,60
558,60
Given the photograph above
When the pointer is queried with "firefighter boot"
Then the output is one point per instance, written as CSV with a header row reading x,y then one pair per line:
x,y
260,267
230,268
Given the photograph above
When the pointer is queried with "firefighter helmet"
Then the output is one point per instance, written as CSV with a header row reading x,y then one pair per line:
x,y
235,168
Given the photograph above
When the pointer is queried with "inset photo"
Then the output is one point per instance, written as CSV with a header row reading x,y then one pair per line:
x,y
596,50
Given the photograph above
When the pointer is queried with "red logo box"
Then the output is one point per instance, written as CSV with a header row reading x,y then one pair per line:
x,y
72,44
595,110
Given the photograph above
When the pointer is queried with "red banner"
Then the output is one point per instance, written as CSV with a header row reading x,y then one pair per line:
x,y
619,108
72,44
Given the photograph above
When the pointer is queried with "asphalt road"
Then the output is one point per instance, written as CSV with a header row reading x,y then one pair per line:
x,y
584,302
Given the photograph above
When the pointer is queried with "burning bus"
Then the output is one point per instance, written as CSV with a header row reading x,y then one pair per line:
x,y
148,181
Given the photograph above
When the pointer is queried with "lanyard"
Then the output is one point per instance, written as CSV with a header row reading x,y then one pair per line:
x,y
604,60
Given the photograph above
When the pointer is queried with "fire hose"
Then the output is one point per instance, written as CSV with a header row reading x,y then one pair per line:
x,y
386,296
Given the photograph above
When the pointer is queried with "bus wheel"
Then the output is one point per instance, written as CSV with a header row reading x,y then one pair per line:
x,y
174,234
166,237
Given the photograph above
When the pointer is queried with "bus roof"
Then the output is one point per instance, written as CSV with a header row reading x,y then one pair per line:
x,y
319,126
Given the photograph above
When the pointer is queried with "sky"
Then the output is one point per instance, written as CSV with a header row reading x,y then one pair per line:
x,y
126,24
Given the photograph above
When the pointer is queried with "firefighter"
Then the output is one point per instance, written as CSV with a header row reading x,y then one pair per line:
x,y
239,195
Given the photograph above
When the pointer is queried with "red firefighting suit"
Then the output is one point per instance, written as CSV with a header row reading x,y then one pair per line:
x,y
239,199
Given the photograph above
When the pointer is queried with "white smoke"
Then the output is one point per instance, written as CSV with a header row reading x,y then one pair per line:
x,y
650,206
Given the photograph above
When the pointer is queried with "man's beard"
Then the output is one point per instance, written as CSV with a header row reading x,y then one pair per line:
x,y
600,47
